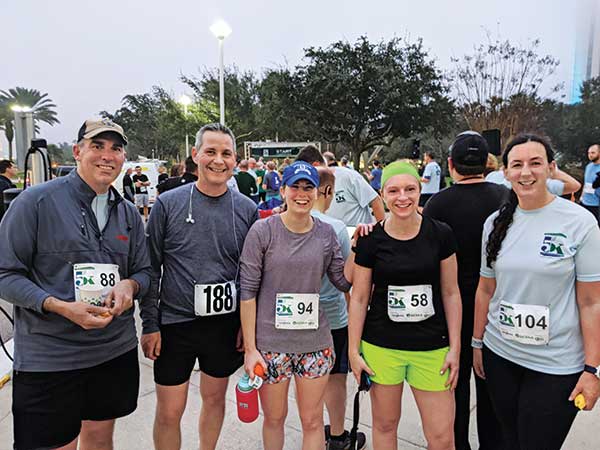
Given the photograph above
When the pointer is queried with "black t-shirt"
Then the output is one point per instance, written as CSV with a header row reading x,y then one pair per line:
x,y
465,207
162,177
141,189
406,263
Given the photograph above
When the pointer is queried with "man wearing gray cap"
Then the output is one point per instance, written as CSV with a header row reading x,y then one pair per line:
x,y
464,207
72,259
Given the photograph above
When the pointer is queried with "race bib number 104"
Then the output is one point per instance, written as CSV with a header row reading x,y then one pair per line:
x,y
526,324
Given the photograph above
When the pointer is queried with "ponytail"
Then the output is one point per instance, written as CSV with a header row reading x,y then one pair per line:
x,y
501,224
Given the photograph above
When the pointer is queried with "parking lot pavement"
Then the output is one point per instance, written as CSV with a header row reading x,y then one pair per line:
x,y
135,431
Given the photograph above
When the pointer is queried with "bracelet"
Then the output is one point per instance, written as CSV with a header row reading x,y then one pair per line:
x,y
477,343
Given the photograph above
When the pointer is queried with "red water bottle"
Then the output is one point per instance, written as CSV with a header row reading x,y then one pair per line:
x,y
246,395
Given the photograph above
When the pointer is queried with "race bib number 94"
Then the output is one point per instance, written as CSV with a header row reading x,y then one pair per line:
x,y
410,303
297,311
215,299
95,276
526,324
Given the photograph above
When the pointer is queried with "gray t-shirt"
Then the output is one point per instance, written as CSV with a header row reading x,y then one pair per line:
x,y
352,198
544,253
206,251
276,261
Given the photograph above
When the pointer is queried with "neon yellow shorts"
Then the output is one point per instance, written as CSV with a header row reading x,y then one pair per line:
x,y
421,369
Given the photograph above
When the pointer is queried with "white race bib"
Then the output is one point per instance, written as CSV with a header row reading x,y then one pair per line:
x,y
297,311
588,189
90,275
143,189
215,299
410,303
526,324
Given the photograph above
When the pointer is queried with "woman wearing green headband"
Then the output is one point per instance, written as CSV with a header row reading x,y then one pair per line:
x,y
405,313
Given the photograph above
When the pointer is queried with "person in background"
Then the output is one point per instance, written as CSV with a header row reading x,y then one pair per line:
x,y
465,206
128,186
335,304
260,176
374,176
190,175
162,174
141,183
589,199
272,182
8,171
245,181
354,198
491,164
431,178
176,169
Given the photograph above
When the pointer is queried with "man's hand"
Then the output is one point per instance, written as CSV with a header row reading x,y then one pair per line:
x,y
120,298
87,316
151,345
589,386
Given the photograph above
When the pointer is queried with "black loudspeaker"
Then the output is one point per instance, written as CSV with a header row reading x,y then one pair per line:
x,y
493,140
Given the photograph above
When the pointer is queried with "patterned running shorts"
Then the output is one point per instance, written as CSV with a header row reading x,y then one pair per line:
x,y
281,366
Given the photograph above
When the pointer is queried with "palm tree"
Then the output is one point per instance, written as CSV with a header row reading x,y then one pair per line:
x,y
40,104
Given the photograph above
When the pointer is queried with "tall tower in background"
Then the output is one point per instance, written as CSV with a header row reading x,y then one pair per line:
x,y
587,45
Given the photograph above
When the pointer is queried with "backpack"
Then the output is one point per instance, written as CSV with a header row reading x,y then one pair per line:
x,y
273,181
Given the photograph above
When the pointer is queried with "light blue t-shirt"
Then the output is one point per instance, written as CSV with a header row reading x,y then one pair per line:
x,y
555,187
433,173
589,197
100,208
544,253
332,300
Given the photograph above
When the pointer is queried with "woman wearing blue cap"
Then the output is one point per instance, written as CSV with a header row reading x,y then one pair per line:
x,y
282,264
405,314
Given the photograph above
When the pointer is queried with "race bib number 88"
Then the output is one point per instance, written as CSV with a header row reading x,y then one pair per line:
x,y
95,276
215,299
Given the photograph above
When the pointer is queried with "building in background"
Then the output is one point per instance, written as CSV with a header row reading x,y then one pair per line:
x,y
587,45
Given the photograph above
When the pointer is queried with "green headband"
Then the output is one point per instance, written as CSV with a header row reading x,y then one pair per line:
x,y
399,168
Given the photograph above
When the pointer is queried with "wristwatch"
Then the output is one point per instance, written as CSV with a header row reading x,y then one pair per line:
x,y
593,370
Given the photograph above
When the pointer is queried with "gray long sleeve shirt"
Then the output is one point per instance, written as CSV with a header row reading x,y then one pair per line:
x,y
47,229
276,261
185,254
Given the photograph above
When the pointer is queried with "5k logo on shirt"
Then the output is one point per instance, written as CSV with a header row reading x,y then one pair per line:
x,y
552,245
339,197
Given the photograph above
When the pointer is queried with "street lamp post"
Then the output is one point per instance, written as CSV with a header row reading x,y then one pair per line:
x,y
221,30
186,101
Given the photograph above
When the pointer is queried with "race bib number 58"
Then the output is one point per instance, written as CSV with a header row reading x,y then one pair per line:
x,y
410,303
526,324
215,299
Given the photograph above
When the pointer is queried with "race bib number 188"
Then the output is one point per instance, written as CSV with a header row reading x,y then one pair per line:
x,y
215,299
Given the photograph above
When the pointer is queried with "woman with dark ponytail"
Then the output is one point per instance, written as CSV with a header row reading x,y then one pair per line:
x,y
536,338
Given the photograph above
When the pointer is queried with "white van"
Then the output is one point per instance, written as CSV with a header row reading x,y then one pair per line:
x,y
149,168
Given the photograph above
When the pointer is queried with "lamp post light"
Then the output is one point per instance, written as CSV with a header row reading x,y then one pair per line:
x,y
186,101
221,30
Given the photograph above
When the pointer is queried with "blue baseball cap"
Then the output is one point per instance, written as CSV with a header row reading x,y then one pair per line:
x,y
300,171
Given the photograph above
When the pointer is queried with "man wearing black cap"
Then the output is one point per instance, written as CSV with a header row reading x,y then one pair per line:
x,y
72,259
465,206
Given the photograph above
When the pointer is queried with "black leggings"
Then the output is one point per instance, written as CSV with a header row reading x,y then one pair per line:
x,y
533,407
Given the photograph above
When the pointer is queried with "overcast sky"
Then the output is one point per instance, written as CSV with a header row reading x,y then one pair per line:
x,y
87,54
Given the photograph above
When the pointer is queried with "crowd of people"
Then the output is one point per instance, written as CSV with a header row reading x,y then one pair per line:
x,y
497,277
